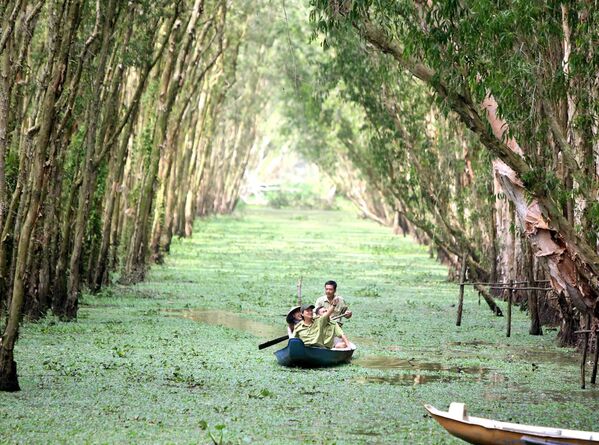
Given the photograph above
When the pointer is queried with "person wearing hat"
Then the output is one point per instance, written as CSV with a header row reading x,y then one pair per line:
x,y
320,331
326,301
294,316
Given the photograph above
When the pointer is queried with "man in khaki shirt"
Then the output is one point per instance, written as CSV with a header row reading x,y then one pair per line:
x,y
320,331
330,287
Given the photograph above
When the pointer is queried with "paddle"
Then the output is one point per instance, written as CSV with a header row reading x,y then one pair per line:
x,y
284,337
272,342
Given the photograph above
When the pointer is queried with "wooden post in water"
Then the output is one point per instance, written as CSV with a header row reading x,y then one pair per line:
x,y
461,297
533,299
585,348
594,373
510,297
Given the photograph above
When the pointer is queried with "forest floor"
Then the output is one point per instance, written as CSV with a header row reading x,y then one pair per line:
x,y
175,359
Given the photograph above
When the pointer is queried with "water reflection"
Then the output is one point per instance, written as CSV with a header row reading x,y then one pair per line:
x,y
499,388
382,362
571,396
540,355
404,379
232,320
470,343
421,372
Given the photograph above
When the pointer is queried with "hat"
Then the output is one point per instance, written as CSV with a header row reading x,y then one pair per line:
x,y
289,317
306,306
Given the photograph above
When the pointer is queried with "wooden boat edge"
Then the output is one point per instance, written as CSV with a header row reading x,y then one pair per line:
x,y
515,428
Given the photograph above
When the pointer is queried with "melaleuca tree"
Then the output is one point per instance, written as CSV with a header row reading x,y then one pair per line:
x,y
520,76
97,135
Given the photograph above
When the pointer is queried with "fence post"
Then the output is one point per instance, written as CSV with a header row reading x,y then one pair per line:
x,y
596,358
461,297
510,293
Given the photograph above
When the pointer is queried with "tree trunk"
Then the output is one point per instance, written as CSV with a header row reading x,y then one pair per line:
x,y
5,92
57,64
533,302
60,285
569,322
115,177
171,84
117,164
90,167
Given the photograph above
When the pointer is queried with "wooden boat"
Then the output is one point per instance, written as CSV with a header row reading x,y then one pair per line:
x,y
297,354
482,431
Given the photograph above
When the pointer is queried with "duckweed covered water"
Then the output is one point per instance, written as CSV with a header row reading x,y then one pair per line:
x,y
175,359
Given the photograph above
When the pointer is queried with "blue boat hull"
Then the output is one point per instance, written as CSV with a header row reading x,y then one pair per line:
x,y
297,354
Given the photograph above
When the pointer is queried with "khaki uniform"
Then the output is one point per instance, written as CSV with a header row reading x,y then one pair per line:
x,y
321,332
324,302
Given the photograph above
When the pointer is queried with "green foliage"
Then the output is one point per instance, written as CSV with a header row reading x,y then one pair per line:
x,y
362,109
74,156
300,196
277,199
12,169
512,51
541,182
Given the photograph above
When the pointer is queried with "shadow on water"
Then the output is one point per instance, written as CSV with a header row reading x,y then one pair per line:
x,y
499,388
231,320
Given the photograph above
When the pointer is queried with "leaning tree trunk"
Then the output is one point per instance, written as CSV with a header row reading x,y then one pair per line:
x,y
117,164
90,167
56,65
172,82
573,264
162,228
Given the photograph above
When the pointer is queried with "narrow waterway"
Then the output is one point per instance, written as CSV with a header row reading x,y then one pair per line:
x,y
404,322
176,358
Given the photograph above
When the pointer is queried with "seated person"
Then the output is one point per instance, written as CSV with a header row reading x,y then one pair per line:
x,y
320,331
318,312
330,288
294,316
